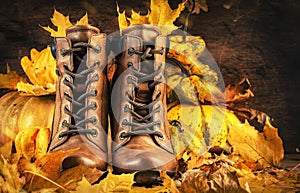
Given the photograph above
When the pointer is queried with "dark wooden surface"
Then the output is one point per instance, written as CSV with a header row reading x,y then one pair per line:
x,y
258,39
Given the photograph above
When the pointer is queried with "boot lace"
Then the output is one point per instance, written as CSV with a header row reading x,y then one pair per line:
x,y
142,124
78,102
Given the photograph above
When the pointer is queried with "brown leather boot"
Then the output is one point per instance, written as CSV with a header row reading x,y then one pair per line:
x,y
80,119
140,133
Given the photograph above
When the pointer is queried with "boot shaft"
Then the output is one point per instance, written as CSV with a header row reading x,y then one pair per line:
x,y
139,111
81,97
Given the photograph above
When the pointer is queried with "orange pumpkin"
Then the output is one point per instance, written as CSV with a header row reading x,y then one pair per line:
x,y
21,112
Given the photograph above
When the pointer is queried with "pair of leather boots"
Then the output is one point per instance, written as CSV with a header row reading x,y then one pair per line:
x,y
135,99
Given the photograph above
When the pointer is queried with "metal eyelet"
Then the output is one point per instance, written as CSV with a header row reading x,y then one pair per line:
x,y
159,108
95,92
126,108
95,133
58,73
96,77
124,123
129,64
162,51
63,124
131,51
94,104
177,124
68,79
161,137
67,107
98,49
94,120
159,77
63,52
121,136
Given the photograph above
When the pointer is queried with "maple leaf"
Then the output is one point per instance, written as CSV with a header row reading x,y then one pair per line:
x,y
112,183
260,148
10,79
161,15
62,23
84,186
83,21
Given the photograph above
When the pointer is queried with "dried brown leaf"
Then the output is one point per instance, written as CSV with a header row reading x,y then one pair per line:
x,y
216,181
239,92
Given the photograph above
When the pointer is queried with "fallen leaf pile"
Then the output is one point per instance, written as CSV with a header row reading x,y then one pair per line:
x,y
217,148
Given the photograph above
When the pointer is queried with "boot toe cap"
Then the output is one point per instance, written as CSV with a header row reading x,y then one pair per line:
x,y
127,161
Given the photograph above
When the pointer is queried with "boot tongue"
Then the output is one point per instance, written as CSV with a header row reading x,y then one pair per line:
x,y
147,32
143,94
81,33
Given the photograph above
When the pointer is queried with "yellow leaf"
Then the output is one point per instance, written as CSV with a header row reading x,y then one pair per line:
x,y
123,22
40,69
202,127
35,90
117,183
263,149
5,150
161,15
25,142
84,186
61,22
10,180
112,183
83,21
10,79
168,182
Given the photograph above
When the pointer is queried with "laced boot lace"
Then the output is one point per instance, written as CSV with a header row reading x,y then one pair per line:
x,y
79,96
142,124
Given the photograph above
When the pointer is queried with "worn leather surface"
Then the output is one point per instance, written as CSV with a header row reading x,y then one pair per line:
x,y
139,152
91,150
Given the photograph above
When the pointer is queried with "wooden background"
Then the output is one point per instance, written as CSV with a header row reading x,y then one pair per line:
x,y
258,39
